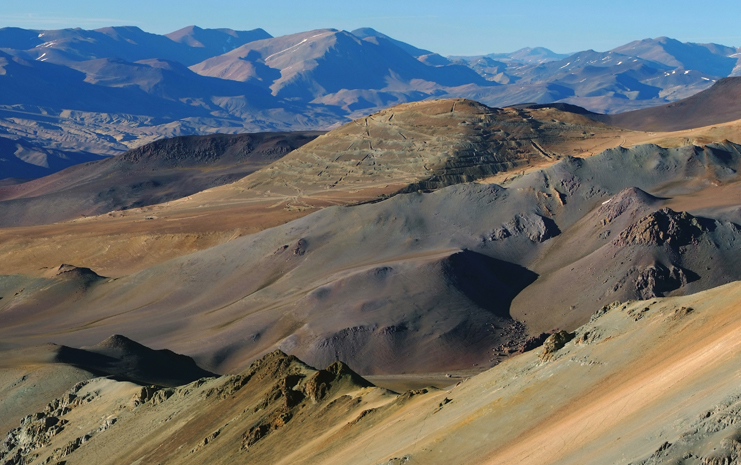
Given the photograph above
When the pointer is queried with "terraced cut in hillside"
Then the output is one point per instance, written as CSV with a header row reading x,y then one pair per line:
x,y
423,145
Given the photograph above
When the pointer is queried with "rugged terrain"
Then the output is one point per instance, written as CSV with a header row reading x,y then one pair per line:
x,y
382,154
370,158
416,272
642,382
438,242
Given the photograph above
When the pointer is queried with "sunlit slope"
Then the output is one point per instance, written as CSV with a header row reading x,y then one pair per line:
x,y
643,382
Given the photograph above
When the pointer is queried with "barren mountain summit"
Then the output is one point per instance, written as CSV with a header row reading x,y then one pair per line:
x,y
422,145
628,199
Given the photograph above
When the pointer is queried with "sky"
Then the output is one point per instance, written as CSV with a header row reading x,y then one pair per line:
x,y
463,27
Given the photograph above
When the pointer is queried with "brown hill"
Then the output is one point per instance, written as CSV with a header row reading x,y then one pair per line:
x,y
720,103
468,143
424,145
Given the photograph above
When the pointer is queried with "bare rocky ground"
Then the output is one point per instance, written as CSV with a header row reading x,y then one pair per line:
x,y
456,278
425,269
124,241
424,144
642,382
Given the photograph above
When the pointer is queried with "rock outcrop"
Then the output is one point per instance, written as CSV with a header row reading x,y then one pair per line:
x,y
662,227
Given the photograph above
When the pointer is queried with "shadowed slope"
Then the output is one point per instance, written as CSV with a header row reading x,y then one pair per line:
x,y
155,173
32,378
118,357
719,104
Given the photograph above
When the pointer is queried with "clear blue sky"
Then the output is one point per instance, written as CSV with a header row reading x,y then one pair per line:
x,y
464,27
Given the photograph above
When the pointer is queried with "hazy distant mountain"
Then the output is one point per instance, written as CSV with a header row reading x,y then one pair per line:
x,y
337,68
707,58
529,55
188,46
606,82
215,41
22,160
17,38
170,80
128,43
504,67
42,84
365,32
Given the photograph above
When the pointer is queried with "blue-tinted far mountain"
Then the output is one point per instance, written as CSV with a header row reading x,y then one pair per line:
x,y
607,82
712,59
365,32
21,160
339,69
215,41
529,55
188,46
19,39
33,85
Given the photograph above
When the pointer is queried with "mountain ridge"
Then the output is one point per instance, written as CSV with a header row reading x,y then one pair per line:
x,y
108,90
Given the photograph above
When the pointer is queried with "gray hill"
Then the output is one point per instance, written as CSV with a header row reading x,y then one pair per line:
x,y
457,277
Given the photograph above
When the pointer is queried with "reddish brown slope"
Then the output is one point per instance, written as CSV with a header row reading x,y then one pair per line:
x,y
719,104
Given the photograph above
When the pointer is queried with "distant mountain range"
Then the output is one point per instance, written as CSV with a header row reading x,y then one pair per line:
x,y
108,90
